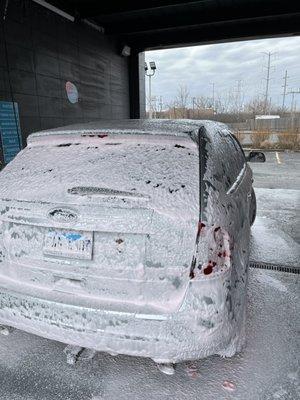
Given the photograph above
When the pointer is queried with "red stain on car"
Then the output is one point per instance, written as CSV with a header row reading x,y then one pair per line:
x,y
201,225
208,270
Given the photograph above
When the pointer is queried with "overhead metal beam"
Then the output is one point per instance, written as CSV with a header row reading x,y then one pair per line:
x,y
218,32
93,8
68,16
196,13
172,23
54,9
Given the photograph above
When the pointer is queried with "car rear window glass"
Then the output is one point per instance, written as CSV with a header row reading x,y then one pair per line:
x,y
163,171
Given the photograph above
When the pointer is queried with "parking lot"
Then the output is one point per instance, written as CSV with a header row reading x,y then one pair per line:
x,y
32,368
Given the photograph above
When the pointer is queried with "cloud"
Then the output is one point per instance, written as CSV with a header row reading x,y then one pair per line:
x,y
224,64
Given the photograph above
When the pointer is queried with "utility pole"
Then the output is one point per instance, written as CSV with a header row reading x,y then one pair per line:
x,y
160,104
293,92
238,95
284,89
213,96
267,79
193,100
153,106
150,98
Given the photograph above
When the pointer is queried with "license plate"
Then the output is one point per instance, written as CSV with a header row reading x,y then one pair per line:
x,y
70,244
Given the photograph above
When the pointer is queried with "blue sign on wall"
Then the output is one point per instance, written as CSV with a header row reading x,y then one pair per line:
x,y
10,131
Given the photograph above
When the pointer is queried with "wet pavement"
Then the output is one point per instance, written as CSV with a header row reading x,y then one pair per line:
x,y
32,368
280,171
276,232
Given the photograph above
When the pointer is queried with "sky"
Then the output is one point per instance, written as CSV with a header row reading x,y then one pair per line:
x,y
224,64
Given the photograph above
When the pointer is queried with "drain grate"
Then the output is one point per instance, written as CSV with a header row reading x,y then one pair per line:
x,y
280,268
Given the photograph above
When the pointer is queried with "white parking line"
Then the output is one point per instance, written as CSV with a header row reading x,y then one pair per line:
x,y
277,157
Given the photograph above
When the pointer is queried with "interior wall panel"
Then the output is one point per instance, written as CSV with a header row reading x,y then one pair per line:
x,y
44,52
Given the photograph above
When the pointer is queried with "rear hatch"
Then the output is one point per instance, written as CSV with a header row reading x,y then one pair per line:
x,y
108,216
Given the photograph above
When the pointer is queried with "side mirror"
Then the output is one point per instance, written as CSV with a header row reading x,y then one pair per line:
x,y
256,156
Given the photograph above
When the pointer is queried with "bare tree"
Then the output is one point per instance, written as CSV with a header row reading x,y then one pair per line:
x,y
182,97
202,102
255,106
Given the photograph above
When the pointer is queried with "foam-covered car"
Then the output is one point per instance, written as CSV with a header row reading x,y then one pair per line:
x,y
129,237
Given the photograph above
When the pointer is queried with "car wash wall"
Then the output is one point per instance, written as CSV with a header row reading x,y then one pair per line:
x,y
56,71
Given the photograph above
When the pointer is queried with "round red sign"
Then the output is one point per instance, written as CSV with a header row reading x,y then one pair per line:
x,y
72,92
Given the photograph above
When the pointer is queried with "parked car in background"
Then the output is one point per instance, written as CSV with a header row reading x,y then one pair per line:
x,y
129,237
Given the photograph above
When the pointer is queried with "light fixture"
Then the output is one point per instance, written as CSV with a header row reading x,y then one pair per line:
x,y
69,17
152,65
55,10
126,51
150,74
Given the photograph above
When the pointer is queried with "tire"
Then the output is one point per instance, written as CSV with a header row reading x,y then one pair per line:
x,y
252,211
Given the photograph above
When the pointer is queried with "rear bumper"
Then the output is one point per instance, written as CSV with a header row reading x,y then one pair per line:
x,y
190,333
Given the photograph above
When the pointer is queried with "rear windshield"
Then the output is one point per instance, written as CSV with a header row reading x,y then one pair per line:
x,y
160,172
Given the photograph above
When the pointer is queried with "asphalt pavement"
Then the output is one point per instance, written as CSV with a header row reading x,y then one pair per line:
x,y
280,171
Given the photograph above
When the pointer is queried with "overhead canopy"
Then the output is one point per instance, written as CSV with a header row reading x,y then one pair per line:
x,y
169,23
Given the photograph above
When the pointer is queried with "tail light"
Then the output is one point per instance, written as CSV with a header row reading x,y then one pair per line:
x,y
213,251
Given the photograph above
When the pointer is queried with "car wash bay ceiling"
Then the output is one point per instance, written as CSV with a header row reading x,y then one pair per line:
x,y
171,23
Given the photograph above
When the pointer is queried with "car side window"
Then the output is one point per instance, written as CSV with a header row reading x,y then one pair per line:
x,y
238,144
235,157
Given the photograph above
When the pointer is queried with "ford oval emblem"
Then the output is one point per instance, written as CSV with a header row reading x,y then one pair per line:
x,y
62,215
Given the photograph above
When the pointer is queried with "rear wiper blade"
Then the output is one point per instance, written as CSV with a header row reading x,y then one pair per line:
x,y
105,192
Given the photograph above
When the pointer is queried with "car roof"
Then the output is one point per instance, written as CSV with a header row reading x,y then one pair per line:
x,y
176,127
